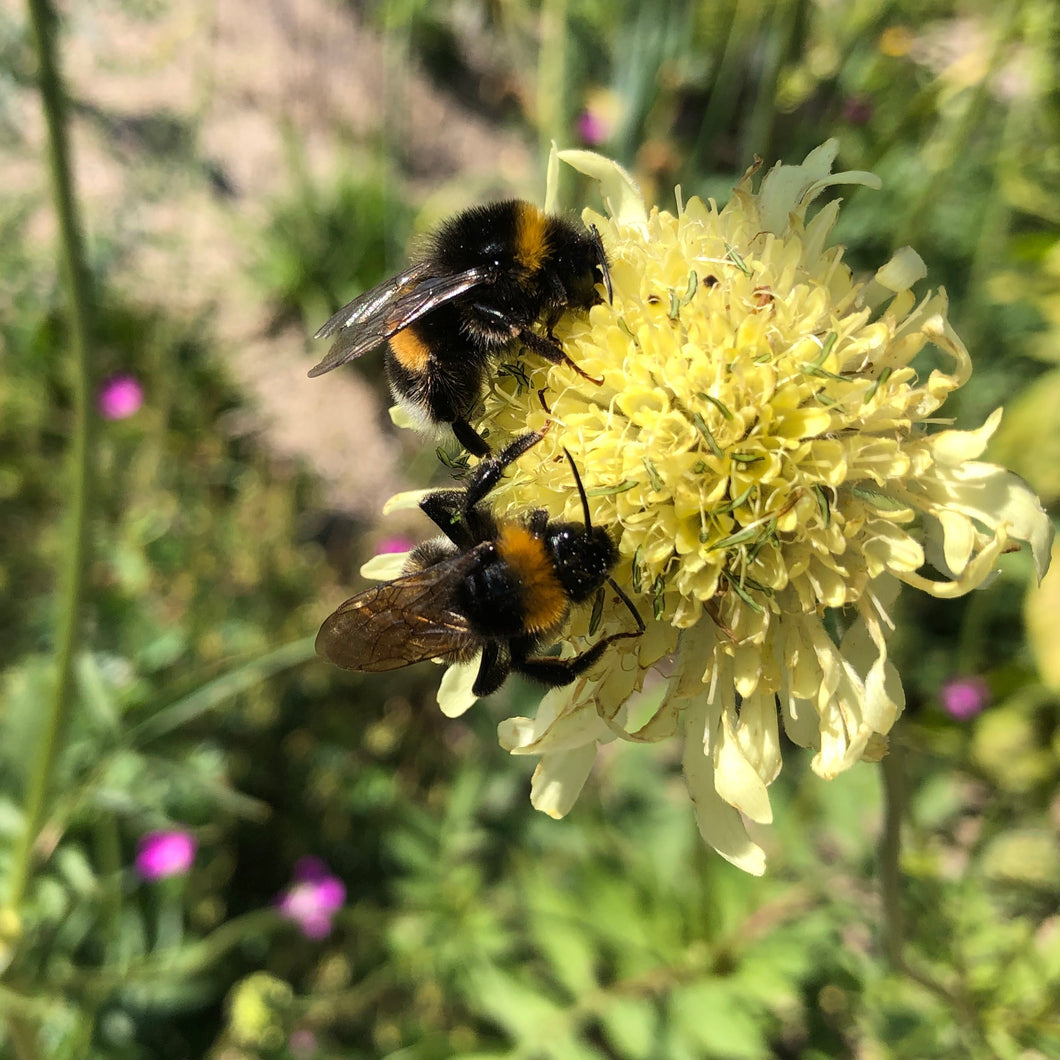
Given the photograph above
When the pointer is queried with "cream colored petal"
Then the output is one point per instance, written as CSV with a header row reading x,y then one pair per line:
x,y
904,269
561,725
454,690
786,188
758,734
552,203
974,575
949,542
864,646
719,824
403,501
735,779
622,196
559,779
401,417
951,448
385,567
999,499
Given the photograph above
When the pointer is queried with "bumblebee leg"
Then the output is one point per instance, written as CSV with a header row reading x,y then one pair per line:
x,y
551,351
454,511
447,510
470,439
488,472
555,673
494,670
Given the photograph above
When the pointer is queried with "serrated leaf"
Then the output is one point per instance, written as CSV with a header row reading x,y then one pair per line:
x,y
710,1014
525,1013
631,1025
571,953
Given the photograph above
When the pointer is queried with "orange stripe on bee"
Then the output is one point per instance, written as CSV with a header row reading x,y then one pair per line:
x,y
544,601
531,236
410,350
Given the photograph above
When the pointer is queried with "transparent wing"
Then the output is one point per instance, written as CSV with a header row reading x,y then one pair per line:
x,y
369,320
402,622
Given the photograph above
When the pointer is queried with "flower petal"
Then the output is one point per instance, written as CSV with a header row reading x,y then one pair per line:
x,y
621,193
559,779
786,189
455,694
385,567
719,824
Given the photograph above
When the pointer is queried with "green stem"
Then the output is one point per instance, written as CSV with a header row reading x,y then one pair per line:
x,y
552,107
888,853
21,1031
78,297
889,850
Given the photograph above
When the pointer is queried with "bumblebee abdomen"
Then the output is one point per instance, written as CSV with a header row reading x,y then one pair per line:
x,y
432,366
411,350
544,601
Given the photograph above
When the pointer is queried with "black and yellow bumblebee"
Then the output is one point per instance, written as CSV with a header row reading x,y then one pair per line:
x,y
502,586
485,278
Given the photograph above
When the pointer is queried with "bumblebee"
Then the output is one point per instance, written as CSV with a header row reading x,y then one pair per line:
x,y
485,278
502,586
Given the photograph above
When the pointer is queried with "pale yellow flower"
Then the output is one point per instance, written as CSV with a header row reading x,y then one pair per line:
x,y
759,449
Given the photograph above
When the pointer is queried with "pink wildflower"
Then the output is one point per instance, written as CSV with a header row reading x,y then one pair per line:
x,y
120,397
313,898
163,854
964,697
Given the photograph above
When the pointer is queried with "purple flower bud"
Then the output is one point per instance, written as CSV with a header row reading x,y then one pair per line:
x,y
858,110
313,898
120,397
394,544
964,697
163,854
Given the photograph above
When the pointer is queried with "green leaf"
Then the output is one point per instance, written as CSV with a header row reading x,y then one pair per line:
x,y
710,1014
631,1025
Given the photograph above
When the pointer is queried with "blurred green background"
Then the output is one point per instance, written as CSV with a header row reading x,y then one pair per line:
x,y
242,169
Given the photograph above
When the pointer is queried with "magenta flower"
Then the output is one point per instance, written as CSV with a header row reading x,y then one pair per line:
x,y
119,397
313,898
163,854
592,129
964,697
858,110
395,544
302,1043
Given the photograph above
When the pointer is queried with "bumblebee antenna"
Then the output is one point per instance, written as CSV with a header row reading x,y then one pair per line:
x,y
629,603
610,581
601,260
581,490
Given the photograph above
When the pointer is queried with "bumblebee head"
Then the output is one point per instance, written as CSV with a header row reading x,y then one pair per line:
x,y
583,558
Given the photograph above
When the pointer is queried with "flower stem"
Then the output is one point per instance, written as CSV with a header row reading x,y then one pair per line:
x,y
894,798
78,296
889,849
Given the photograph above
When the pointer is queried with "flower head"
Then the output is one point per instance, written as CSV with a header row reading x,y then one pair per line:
x,y
964,697
165,853
313,898
762,450
120,397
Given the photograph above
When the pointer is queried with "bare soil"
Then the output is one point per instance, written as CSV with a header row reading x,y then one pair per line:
x,y
185,112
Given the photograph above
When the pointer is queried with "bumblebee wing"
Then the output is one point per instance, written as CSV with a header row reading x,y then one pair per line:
x,y
401,622
371,319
